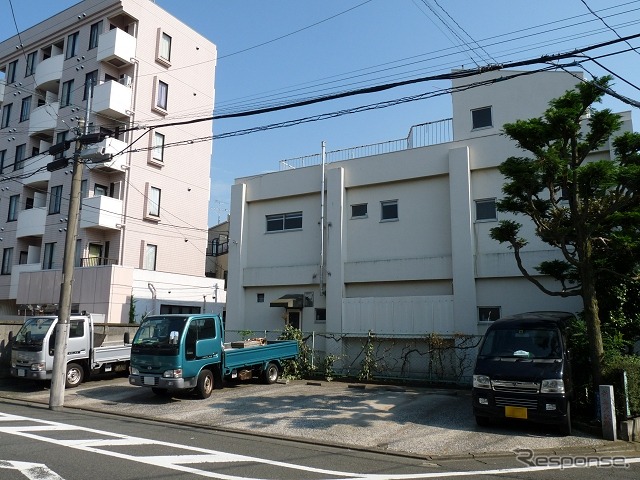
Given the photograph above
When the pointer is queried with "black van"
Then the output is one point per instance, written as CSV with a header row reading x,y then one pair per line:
x,y
523,371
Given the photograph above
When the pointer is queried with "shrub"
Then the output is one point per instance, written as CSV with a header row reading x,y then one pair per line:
x,y
614,368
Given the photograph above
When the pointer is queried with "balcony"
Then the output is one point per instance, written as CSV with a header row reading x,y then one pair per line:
x,y
1,91
112,99
16,270
44,119
37,167
96,153
116,47
101,212
31,222
48,73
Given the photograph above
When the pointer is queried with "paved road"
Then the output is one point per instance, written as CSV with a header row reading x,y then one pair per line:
x,y
415,421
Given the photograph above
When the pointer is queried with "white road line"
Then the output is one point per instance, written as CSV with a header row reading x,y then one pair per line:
x,y
31,471
179,461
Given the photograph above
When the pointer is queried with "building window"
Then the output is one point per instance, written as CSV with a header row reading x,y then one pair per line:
x,y
388,210
55,199
31,64
3,155
158,147
18,162
486,210
72,45
321,315
359,210
90,81
12,216
260,297
11,72
67,89
153,202
488,314
7,260
6,115
481,118
100,190
47,263
164,47
284,221
25,110
162,93
96,30
61,137
150,254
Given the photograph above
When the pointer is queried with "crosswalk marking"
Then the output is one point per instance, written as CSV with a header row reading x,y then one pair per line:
x,y
31,471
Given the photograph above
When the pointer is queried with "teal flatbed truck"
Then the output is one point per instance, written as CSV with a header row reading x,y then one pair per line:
x,y
188,352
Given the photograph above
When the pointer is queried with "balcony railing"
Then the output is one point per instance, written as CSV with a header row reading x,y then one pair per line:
x,y
44,119
97,261
116,47
31,222
48,73
422,135
215,249
1,91
112,99
101,212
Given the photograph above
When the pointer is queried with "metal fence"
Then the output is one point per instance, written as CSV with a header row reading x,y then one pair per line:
x,y
432,358
422,135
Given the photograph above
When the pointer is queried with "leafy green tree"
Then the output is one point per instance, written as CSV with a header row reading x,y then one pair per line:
x,y
586,207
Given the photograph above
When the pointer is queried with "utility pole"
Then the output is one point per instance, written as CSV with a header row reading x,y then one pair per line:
x,y
58,379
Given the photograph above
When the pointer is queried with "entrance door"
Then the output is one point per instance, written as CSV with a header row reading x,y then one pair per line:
x,y
293,318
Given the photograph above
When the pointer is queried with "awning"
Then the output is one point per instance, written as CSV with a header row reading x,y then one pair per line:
x,y
291,300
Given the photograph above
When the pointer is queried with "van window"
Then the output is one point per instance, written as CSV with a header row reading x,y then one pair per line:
x,y
524,343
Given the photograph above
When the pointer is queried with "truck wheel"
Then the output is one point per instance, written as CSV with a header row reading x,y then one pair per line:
x,y
482,421
205,384
270,374
75,375
565,428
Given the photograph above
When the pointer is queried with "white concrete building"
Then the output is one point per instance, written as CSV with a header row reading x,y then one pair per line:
x,y
394,239
143,219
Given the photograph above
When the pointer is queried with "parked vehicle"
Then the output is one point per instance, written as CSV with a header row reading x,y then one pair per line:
x,y
523,370
181,352
33,347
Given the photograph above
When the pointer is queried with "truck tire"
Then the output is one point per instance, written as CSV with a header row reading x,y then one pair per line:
x,y
205,384
270,374
75,375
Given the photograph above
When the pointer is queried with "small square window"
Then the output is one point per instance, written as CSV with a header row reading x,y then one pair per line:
x,y
389,210
260,297
488,314
359,210
321,315
486,210
481,118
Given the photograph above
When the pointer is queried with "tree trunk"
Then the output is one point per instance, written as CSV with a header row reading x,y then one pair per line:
x,y
592,316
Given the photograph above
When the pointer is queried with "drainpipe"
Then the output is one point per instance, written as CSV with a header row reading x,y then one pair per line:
x,y
322,220
153,297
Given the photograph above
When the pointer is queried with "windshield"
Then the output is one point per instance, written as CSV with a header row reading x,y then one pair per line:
x,y
156,330
33,331
522,342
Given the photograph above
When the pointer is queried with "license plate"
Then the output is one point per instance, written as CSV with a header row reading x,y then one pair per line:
x,y
22,372
515,412
149,380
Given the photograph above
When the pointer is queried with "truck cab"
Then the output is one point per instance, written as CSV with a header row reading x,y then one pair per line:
x,y
523,370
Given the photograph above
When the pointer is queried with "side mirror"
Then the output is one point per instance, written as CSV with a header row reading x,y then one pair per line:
x,y
173,337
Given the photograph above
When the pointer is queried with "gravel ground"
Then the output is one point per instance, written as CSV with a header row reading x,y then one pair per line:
x,y
419,421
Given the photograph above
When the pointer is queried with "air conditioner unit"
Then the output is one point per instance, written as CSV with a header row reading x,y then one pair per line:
x,y
125,80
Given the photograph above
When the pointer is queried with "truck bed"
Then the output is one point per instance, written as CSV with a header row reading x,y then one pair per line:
x,y
258,354
112,353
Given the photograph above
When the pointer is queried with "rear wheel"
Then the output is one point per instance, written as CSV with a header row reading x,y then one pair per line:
x,y
205,384
270,374
75,375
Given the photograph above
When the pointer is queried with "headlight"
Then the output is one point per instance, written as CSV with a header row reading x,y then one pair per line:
x,y
37,367
177,373
134,371
481,381
552,386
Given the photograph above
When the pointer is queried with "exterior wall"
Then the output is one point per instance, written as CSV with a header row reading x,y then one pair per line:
x,y
428,271
179,232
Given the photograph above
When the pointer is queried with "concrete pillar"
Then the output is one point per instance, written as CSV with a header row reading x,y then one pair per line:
x,y
608,413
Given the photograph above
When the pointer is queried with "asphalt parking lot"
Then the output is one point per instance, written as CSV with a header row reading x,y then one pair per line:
x,y
402,420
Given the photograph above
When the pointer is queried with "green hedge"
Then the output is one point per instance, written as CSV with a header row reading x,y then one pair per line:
x,y
613,375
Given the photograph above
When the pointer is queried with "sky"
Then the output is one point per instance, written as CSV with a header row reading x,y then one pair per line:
x,y
282,51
